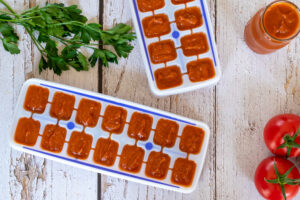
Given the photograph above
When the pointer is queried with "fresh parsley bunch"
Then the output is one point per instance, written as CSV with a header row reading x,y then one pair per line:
x,y
56,24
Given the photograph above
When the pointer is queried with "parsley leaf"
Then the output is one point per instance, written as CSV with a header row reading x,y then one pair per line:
x,y
105,56
8,37
10,46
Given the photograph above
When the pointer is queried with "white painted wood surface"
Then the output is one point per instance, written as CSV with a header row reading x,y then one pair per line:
x,y
253,88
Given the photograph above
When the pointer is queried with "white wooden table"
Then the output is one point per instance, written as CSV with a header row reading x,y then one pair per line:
x,y
253,88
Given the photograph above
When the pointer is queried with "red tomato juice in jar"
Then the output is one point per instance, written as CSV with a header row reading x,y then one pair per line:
x,y
273,27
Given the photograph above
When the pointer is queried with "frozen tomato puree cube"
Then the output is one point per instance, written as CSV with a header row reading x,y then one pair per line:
x,y
194,44
157,25
114,119
80,145
36,99
191,139
168,77
176,2
183,172
62,106
88,112
27,131
140,126
163,51
188,18
131,158
201,70
166,133
53,138
157,165
106,152
150,5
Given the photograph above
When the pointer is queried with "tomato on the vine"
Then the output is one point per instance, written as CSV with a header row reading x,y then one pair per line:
x,y
281,135
277,178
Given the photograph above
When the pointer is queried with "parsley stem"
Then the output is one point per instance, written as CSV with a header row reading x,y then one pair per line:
x,y
66,23
8,7
64,41
7,13
76,23
8,20
40,48
18,20
38,45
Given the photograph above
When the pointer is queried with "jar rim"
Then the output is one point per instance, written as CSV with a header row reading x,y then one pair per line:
x,y
263,24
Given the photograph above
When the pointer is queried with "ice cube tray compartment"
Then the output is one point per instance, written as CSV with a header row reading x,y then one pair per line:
x,y
167,51
75,133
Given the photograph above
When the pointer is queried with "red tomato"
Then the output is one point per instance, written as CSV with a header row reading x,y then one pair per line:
x,y
266,170
276,130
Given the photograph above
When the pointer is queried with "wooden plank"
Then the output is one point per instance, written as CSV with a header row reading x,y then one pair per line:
x,y
21,174
25,176
128,80
253,89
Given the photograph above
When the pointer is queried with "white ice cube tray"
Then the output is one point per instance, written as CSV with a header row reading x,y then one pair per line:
x,y
97,132
175,35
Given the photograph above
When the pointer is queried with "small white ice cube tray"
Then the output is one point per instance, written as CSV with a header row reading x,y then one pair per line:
x,y
97,132
175,35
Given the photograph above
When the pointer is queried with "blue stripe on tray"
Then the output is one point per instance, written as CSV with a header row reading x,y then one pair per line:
x,y
208,31
100,168
144,43
117,103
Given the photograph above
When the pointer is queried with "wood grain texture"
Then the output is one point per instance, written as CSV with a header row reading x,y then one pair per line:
x,y
28,177
21,174
253,89
128,81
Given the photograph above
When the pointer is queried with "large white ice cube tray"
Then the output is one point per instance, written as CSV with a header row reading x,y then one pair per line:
x,y
175,35
97,132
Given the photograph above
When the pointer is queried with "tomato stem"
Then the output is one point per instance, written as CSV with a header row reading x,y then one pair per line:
x,y
289,142
282,179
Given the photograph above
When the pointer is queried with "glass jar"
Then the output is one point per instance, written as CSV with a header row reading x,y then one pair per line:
x,y
273,27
